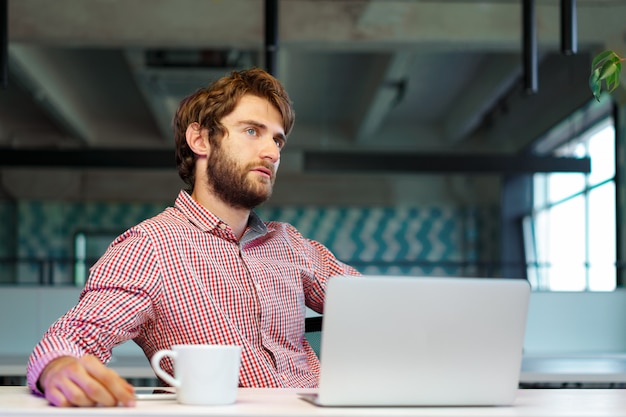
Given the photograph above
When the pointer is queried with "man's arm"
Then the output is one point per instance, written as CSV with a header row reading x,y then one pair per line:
x,y
324,265
67,381
101,320
67,365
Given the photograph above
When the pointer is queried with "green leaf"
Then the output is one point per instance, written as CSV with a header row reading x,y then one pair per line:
x,y
601,57
606,66
595,84
612,81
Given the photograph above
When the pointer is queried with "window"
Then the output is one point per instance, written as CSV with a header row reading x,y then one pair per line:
x,y
88,247
570,237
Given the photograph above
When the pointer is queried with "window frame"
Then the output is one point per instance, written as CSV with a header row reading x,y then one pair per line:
x,y
535,265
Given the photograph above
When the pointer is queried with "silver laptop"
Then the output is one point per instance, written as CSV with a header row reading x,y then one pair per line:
x,y
417,341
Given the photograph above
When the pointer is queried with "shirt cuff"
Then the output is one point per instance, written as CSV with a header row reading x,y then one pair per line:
x,y
37,363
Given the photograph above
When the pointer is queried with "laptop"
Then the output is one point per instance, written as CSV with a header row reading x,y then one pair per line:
x,y
421,341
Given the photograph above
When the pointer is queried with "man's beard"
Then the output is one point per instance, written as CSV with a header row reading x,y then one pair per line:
x,y
231,184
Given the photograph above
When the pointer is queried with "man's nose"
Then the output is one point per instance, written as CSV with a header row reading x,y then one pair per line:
x,y
270,149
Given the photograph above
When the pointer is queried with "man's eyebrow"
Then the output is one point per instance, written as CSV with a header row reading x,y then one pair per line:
x,y
260,126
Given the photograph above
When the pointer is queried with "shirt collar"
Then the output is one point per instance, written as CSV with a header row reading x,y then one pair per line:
x,y
206,221
256,228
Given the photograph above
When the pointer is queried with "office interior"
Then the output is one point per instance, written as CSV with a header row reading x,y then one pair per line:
x,y
429,137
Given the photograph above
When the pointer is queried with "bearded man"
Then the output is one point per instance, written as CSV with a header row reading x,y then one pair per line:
x,y
206,271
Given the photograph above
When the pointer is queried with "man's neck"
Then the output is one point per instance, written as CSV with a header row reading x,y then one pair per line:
x,y
236,218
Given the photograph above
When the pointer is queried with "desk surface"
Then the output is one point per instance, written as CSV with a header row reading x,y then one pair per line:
x,y
17,401
583,368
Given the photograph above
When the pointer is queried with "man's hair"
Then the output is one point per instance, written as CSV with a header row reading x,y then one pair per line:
x,y
208,105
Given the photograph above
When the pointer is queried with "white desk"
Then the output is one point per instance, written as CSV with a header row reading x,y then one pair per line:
x,y
573,369
17,401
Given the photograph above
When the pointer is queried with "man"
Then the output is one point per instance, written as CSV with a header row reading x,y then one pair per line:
x,y
207,270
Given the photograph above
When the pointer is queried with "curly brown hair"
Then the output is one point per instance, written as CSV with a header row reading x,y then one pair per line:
x,y
207,106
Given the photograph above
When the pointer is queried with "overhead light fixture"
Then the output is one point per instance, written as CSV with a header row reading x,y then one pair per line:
x,y
529,47
4,44
271,35
569,37
199,58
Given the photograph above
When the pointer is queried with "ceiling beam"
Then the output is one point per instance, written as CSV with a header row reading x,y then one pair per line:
x,y
442,163
92,158
390,84
493,79
325,24
48,81
524,118
314,161
152,87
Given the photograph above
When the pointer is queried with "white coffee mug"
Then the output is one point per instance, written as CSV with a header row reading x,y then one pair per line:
x,y
204,374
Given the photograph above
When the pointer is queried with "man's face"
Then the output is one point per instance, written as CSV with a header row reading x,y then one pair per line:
x,y
241,168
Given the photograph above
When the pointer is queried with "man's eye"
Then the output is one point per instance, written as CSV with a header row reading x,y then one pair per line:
x,y
251,131
279,143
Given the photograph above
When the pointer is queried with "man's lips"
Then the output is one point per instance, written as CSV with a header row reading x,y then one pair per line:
x,y
265,171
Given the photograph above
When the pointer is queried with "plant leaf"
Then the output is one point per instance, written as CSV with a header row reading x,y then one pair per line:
x,y
612,81
601,57
606,66
595,84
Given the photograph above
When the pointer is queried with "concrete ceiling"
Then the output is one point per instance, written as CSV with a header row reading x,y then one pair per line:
x,y
406,76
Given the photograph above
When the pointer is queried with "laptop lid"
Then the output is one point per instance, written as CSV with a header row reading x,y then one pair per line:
x,y
394,341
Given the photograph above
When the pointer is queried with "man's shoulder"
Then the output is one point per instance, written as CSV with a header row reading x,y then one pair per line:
x,y
168,219
163,229
287,230
164,215
277,226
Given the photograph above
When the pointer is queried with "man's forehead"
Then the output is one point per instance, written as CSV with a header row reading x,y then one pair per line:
x,y
251,108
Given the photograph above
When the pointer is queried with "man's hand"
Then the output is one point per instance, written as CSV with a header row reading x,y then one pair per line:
x,y
87,382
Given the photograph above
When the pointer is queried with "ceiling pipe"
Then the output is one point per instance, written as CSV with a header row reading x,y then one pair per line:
x,y
569,37
529,47
403,162
271,35
314,161
4,44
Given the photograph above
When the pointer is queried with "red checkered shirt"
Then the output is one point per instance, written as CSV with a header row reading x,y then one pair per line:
x,y
183,277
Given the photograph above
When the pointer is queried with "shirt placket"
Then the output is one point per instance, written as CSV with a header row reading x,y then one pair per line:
x,y
264,303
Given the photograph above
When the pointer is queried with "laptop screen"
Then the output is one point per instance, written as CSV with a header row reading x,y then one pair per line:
x,y
391,340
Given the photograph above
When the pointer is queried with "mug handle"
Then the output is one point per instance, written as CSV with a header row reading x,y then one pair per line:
x,y
156,366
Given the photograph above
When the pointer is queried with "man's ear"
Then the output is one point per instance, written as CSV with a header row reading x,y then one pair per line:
x,y
197,142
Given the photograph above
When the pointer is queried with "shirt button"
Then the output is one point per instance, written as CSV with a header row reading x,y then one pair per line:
x,y
222,226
